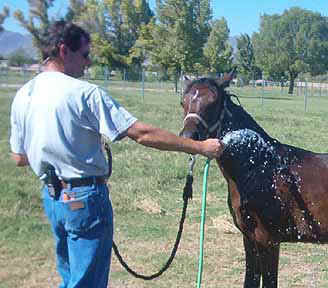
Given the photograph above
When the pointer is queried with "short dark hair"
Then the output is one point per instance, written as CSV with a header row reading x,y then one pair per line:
x,y
62,32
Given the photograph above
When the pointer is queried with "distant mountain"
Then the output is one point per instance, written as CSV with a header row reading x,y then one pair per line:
x,y
11,41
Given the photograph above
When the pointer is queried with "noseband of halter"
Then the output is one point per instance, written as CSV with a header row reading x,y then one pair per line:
x,y
201,120
209,129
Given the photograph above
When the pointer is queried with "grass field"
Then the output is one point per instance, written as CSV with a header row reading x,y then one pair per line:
x,y
146,190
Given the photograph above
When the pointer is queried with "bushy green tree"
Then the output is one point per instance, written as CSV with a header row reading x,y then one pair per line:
x,y
217,50
115,26
19,58
245,59
291,43
176,39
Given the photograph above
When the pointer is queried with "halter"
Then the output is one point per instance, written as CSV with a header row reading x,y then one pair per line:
x,y
212,128
218,123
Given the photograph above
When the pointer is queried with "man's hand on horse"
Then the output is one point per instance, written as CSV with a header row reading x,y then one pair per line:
x,y
213,148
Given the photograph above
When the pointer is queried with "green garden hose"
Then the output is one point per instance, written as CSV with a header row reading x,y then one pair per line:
x,y
202,224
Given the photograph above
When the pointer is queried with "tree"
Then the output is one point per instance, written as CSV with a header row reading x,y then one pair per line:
x,y
246,58
115,26
179,34
19,58
204,15
136,20
75,9
291,43
38,21
217,50
148,47
3,15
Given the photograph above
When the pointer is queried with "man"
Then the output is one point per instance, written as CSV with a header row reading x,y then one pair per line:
x,y
56,127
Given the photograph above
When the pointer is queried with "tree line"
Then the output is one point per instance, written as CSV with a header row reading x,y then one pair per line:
x,y
181,36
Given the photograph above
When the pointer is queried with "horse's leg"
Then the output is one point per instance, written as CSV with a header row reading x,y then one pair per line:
x,y
253,273
269,260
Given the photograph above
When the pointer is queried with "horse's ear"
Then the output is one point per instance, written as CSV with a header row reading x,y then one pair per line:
x,y
227,77
185,78
186,82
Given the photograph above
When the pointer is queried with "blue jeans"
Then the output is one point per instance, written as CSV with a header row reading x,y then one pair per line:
x,y
83,232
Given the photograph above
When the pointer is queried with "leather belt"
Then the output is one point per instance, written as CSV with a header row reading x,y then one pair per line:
x,y
77,182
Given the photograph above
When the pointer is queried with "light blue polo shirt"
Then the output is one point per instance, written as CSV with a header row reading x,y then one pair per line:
x,y
59,120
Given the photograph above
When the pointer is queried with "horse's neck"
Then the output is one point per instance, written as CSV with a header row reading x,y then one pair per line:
x,y
236,118
240,119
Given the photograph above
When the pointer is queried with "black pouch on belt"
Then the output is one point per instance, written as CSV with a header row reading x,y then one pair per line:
x,y
53,183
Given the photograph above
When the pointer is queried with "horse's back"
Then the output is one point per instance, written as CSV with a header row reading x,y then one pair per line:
x,y
312,172
309,197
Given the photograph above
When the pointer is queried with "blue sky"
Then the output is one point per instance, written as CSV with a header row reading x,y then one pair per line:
x,y
242,15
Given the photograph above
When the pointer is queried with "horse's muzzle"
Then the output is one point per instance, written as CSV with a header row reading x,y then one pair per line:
x,y
189,134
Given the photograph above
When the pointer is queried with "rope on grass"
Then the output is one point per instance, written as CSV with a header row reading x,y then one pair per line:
x,y
187,194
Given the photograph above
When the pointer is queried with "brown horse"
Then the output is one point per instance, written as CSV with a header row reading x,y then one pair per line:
x,y
277,192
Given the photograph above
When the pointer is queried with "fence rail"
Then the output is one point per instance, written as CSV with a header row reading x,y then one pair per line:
x,y
149,82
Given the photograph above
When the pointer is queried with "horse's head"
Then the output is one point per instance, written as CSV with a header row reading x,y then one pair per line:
x,y
203,104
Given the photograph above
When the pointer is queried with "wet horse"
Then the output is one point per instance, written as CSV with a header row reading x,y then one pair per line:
x,y
276,192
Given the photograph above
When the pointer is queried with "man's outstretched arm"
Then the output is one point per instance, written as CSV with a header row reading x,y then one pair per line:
x,y
161,139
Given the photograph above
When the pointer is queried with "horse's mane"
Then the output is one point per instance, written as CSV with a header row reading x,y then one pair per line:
x,y
237,118
241,119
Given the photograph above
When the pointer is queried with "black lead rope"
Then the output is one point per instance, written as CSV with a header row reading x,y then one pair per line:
x,y
187,194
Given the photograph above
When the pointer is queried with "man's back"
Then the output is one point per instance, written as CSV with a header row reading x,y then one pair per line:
x,y
56,112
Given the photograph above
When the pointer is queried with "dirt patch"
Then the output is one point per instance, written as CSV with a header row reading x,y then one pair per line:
x,y
224,223
149,206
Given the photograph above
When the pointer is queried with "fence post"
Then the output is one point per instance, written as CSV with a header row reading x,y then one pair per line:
x,y
181,83
305,96
143,82
262,98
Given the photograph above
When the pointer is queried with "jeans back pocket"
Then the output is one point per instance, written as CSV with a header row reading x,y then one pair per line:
x,y
85,213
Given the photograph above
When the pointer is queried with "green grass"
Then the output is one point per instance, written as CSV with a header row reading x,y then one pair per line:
x,y
146,190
